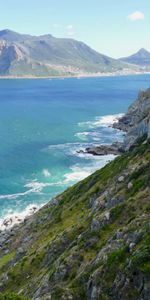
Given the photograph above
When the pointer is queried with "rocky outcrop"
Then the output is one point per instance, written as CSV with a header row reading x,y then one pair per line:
x,y
136,122
115,148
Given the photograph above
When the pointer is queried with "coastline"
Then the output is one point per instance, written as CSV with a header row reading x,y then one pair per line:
x,y
81,75
15,218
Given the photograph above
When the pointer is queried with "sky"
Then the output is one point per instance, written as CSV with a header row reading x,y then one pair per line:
x,y
114,27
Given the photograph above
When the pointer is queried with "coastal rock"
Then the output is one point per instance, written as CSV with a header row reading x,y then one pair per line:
x,y
114,149
136,122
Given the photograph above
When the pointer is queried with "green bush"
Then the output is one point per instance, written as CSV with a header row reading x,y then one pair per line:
x,y
12,296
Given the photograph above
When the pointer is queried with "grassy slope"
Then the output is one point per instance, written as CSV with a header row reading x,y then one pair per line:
x,y
65,255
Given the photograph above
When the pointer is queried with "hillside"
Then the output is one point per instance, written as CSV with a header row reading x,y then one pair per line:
x,y
91,242
25,55
141,58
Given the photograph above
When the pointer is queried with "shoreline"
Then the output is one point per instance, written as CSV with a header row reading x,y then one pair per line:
x,y
80,76
15,218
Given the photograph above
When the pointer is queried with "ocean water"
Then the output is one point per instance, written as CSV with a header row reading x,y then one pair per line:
x,y
43,123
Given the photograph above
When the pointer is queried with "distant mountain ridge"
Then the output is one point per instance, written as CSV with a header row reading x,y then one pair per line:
x,y
23,55
142,58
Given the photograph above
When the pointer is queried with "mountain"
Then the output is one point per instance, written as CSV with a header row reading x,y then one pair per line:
x,y
26,55
142,58
92,241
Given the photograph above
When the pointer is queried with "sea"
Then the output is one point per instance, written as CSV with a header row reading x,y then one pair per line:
x,y
43,125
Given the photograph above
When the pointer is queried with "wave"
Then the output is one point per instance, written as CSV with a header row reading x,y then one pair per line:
x,y
77,174
81,172
46,173
69,148
34,187
94,135
103,121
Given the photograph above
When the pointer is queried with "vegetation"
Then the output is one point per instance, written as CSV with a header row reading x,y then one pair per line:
x,y
11,296
90,239
24,55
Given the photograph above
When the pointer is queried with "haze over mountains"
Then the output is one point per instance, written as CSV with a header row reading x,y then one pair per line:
x,y
47,55
142,58
26,55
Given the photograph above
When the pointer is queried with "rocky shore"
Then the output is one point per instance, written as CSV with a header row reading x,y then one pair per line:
x,y
115,148
135,123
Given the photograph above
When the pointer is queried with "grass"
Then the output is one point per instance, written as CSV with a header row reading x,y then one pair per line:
x,y
6,259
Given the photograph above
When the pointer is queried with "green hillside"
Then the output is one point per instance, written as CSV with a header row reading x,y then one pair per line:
x,y
91,242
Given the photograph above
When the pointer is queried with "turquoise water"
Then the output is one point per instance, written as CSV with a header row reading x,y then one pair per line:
x,y
42,125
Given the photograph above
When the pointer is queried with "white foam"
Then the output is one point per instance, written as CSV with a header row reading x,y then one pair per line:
x,y
34,187
82,135
103,121
89,134
46,173
13,218
79,173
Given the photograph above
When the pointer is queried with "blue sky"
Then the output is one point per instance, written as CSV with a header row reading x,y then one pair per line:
x,y
114,27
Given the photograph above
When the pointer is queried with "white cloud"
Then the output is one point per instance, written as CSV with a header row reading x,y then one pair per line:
x,y
136,16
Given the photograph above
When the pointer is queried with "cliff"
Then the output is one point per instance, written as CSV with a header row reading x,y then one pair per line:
x,y
136,122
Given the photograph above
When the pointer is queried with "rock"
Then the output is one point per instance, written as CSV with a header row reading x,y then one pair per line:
x,y
20,251
107,216
136,122
119,235
131,246
115,148
95,226
53,202
121,179
113,202
94,293
94,203
91,242
130,185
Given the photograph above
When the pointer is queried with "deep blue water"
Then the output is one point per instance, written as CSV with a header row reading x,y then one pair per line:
x,y
42,124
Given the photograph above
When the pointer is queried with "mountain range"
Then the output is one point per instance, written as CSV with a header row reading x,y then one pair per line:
x,y
26,55
23,55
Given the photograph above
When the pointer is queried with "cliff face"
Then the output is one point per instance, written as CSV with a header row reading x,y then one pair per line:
x,y
136,121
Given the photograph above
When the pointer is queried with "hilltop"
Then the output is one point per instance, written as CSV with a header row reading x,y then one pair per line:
x,y
141,58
